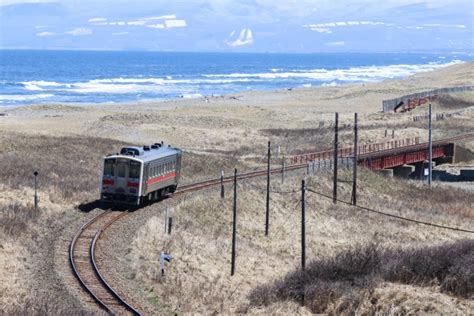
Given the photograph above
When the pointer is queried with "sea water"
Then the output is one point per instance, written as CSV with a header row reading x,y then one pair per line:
x,y
69,77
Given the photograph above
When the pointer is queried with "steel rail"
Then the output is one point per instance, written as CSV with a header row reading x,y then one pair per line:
x,y
96,269
194,187
88,284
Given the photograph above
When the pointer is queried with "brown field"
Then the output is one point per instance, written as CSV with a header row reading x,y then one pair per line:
x,y
357,262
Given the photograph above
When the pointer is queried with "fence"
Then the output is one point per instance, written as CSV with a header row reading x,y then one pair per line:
x,y
349,151
415,99
438,117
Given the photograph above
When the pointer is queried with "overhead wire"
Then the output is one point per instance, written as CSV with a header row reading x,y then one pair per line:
x,y
393,215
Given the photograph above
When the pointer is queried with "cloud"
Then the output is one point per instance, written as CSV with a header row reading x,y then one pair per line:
x,y
245,38
321,30
45,34
445,25
162,17
79,31
326,28
175,23
137,23
340,43
120,33
95,20
156,26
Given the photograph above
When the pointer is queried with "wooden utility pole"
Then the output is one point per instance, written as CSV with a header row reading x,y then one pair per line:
x,y
354,170
222,184
303,223
234,224
267,213
336,140
430,152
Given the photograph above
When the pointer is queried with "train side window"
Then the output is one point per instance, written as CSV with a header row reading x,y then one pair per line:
x,y
134,170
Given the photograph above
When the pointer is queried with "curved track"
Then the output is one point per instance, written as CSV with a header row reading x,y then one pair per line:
x,y
82,249
83,262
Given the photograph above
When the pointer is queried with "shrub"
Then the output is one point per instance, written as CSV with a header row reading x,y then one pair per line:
x,y
342,280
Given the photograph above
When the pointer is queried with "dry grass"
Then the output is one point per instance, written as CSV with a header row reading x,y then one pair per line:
x,y
69,167
221,135
348,278
338,237
14,218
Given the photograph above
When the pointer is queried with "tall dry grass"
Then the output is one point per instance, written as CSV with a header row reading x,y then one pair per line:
x,y
338,238
346,279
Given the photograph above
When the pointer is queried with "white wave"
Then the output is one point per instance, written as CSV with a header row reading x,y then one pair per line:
x,y
330,84
126,85
360,74
21,97
191,96
40,85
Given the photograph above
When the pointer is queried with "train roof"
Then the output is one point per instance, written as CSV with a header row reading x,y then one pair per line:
x,y
146,153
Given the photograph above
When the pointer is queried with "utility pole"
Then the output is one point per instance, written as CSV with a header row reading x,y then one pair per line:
x,y
430,153
36,190
354,170
222,184
334,191
234,224
267,213
303,220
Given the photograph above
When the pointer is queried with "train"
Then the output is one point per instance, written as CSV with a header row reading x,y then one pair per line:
x,y
140,174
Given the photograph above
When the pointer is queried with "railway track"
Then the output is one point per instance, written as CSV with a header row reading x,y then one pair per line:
x,y
83,262
82,248
253,174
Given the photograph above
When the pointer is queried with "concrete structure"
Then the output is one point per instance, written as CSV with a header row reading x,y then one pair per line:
x,y
403,171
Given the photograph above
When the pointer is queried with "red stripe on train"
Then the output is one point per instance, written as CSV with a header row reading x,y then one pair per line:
x,y
108,182
162,178
133,184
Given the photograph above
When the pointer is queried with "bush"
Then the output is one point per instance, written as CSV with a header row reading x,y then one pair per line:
x,y
342,280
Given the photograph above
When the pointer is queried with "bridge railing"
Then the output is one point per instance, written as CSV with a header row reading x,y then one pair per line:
x,y
349,150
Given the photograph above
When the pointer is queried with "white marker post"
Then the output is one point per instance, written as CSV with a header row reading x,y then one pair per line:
x,y
164,257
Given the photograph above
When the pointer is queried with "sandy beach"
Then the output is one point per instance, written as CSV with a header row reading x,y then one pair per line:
x,y
66,143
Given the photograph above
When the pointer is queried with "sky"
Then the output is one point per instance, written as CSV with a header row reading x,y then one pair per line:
x,y
292,26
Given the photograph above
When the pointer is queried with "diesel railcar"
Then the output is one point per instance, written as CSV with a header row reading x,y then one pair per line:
x,y
138,175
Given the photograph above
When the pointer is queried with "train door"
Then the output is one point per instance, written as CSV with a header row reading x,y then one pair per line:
x,y
121,175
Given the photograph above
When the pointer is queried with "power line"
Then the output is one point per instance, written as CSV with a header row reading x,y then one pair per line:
x,y
392,215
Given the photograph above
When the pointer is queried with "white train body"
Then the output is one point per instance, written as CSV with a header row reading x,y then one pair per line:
x,y
140,174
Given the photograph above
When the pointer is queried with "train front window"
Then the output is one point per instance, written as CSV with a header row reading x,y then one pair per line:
x,y
121,169
109,167
134,170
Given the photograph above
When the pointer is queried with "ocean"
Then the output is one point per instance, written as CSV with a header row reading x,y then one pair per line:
x,y
72,77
